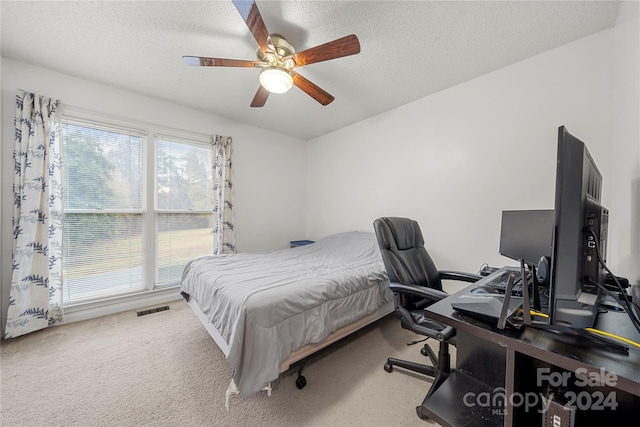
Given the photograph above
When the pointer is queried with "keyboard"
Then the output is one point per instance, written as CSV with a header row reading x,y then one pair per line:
x,y
500,280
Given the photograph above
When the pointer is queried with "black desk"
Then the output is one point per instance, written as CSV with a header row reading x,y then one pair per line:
x,y
502,375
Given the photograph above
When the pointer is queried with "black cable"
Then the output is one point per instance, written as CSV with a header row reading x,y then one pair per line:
x,y
633,311
632,308
417,341
615,296
608,307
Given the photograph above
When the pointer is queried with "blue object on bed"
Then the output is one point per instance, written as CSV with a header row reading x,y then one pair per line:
x,y
296,243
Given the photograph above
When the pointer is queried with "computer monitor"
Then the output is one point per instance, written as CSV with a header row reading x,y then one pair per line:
x,y
527,235
575,269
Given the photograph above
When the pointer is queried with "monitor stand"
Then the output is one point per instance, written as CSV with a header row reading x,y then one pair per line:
x,y
611,346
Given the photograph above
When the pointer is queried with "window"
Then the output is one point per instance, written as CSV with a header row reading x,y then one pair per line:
x,y
134,214
184,197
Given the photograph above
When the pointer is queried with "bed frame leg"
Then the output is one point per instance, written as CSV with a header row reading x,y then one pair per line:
x,y
301,381
268,389
233,389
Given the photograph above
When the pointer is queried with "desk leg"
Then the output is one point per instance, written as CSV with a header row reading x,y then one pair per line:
x,y
509,387
482,359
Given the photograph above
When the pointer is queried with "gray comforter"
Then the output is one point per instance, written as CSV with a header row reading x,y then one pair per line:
x,y
266,305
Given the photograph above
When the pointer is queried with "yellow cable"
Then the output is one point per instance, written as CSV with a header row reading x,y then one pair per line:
x,y
595,331
610,335
537,313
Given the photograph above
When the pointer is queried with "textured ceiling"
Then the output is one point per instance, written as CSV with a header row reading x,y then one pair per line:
x,y
409,49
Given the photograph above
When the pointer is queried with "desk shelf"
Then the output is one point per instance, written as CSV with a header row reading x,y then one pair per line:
x,y
443,405
596,404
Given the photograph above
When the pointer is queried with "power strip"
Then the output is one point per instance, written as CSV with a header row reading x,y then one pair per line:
x,y
558,415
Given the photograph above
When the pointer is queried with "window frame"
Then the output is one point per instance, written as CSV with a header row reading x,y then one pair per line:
x,y
156,209
149,210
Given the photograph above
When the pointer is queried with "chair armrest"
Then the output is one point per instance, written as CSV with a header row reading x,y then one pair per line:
x,y
420,291
406,318
459,275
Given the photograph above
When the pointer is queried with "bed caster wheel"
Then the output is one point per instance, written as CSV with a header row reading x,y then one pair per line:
x,y
301,381
388,367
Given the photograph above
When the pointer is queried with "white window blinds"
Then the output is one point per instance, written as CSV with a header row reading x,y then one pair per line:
x,y
104,208
184,200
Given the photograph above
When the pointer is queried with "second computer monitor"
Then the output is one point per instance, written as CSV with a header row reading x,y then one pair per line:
x,y
527,235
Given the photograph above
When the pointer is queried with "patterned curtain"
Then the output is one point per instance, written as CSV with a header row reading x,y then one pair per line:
x,y
36,283
223,228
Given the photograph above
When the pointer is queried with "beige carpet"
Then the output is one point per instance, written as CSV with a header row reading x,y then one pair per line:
x,y
163,369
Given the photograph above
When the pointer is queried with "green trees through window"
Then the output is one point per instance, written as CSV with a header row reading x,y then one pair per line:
x,y
116,240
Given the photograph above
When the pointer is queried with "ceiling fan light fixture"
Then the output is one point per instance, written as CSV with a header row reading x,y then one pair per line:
x,y
276,79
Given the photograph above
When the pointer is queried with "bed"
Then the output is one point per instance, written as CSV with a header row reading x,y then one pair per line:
x,y
271,309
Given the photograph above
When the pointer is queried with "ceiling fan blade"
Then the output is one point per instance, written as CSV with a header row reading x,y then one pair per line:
x,y
345,46
312,90
200,61
260,97
251,16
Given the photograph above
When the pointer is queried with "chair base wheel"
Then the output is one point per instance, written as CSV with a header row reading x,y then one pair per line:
x,y
388,367
301,381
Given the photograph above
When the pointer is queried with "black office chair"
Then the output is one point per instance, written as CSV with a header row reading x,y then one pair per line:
x,y
417,283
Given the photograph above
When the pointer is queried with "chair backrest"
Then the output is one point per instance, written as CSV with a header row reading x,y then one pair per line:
x,y
403,253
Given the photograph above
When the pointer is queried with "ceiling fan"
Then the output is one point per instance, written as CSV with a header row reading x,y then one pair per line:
x,y
278,58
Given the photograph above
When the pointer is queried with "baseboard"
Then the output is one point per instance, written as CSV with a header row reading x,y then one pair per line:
x,y
79,312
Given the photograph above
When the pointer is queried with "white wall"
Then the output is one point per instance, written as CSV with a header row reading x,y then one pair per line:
x,y
269,192
454,160
624,248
